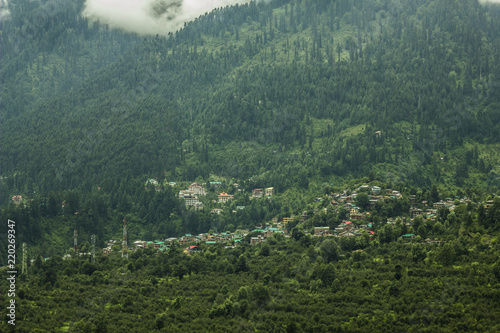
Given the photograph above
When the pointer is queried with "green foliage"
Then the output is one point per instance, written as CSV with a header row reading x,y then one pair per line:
x,y
282,288
241,265
329,250
289,94
270,101
363,201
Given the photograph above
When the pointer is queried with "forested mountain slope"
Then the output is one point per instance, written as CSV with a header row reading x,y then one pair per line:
x,y
48,48
290,94
284,88
371,126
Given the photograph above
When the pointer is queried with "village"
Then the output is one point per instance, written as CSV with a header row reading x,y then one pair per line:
x,y
357,222
355,205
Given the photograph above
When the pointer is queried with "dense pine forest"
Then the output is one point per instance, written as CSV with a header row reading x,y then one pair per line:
x,y
385,113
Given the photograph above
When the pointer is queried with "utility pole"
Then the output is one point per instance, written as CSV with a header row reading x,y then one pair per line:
x,y
75,241
124,242
93,247
24,269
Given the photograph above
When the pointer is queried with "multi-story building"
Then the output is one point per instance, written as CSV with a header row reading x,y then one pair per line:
x,y
321,230
258,193
416,212
269,191
224,197
197,188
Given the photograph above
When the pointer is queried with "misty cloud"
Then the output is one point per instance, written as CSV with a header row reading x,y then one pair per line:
x,y
150,17
167,9
4,10
489,1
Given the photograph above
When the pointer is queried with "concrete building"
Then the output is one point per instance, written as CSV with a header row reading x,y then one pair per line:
x,y
321,230
224,197
197,189
269,191
258,193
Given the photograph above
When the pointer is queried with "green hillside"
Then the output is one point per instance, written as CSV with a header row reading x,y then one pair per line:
x,y
275,166
289,94
48,48
281,286
279,78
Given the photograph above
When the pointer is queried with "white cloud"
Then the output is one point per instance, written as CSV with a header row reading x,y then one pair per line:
x,y
489,1
150,17
4,10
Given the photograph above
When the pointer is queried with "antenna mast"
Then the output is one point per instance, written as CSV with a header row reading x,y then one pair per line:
x,y
24,269
124,242
93,247
75,241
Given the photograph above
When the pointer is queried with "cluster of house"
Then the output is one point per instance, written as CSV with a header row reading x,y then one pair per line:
x,y
195,190
376,195
259,234
218,210
17,199
347,199
344,199
109,247
262,234
154,183
192,195
263,192
431,213
157,245
349,229
488,204
208,238
345,229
